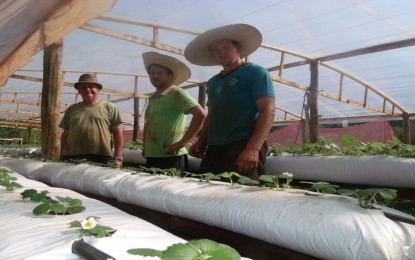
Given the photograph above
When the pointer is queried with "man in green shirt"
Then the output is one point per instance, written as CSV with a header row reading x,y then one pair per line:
x,y
91,127
165,135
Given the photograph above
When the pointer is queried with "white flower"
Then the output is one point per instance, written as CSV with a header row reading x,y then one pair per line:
x,y
89,223
288,175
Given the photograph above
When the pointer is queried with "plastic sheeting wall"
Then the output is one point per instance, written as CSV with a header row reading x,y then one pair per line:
x,y
328,227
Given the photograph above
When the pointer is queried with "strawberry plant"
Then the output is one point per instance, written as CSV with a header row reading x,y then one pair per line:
x,y
273,180
367,197
322,187
56,206
229,176
206,177
7,180
90,227
192,250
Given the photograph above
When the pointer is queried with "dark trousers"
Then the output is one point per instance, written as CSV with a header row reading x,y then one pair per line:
x,y
104,159
222,158
180,162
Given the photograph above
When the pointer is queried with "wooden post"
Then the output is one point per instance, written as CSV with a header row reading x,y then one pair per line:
x,y
136,129
202,95
50,105
313,102
406,128
305,125
29,134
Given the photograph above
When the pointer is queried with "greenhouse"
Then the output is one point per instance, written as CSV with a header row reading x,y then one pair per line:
x,y
339,178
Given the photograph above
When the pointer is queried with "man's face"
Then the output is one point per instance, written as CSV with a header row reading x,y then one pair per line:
x,y
89,92
159,77
225,52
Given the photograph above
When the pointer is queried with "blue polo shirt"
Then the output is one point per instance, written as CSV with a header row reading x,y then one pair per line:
x,y
231,103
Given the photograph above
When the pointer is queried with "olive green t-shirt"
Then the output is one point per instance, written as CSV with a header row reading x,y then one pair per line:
x,y
166,121
90,128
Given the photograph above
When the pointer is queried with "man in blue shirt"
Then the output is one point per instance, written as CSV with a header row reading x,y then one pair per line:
x,y
241,102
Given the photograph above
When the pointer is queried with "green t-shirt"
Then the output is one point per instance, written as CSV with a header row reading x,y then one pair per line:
x,y
166,121
90,128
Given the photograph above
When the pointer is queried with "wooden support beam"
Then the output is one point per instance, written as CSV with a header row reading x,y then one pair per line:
x,y
202,95
147,24
312,102
331,96
62,19
367,50
406,125
282,62
50,107
131,38
155,37
286,113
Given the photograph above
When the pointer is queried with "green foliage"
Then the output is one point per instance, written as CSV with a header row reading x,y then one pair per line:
x,y
367,197
229,176
152,170
350,146
322,187
20,133
58,206
33,195
134,145
206,177
192,250
243,180
90,227
8,181
273,180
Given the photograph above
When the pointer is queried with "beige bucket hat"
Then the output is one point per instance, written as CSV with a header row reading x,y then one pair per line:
x,y
88,78
198,50
180,71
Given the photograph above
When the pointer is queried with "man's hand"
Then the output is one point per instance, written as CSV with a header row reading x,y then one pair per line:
x,y
197,150
174,148
247,161
118,161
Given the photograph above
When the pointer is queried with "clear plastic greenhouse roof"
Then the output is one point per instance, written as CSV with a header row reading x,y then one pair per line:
x,y
301,29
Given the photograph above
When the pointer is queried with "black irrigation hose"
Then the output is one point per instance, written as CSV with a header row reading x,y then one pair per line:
x,y
87,252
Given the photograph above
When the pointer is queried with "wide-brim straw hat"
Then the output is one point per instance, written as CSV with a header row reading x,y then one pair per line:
x,y
198,50
181,72
88,78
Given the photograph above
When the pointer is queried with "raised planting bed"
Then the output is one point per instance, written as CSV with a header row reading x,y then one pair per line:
x,y
325,226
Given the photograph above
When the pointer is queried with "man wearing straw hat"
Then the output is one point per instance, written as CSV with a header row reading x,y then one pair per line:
x,y
165,135
241,102
91,127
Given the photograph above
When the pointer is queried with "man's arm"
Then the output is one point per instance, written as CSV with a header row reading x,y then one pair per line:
x,y
248,159
64,140
196,123
118,138
144,139
198,149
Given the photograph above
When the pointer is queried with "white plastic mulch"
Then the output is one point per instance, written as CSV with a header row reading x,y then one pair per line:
x,y
26,236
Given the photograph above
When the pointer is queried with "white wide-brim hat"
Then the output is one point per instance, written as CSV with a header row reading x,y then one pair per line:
x,y
181,72
198,50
